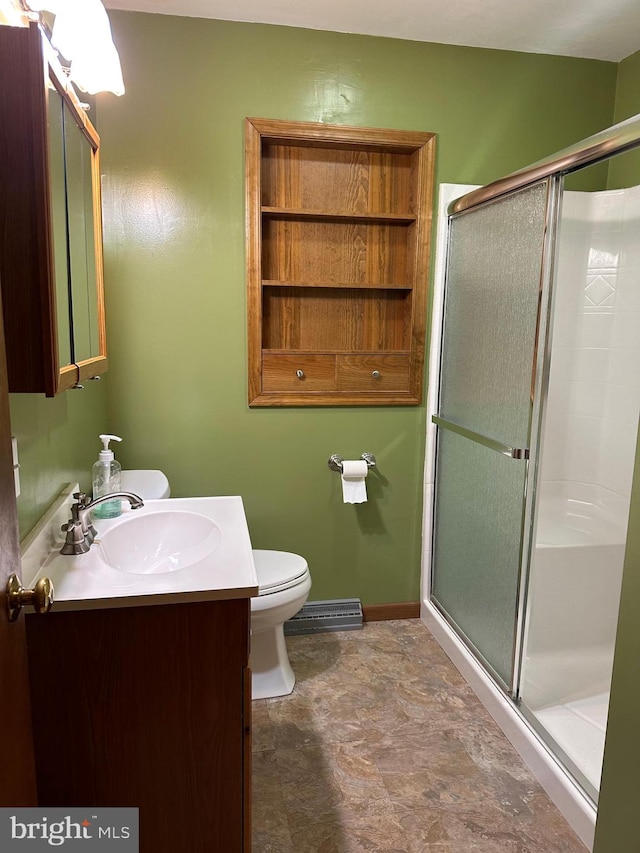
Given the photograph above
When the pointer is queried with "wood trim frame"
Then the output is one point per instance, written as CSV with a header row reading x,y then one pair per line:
x,y
383,612
253,232
89,368
421,145
27,264
94,366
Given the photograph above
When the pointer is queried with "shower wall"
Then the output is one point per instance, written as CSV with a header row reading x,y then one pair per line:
x,y
590,425
594,391
588,446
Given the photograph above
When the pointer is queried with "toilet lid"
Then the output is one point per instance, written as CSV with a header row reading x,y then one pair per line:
x,y
278,570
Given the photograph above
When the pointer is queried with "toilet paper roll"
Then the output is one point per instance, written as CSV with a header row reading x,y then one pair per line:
x,y
354,489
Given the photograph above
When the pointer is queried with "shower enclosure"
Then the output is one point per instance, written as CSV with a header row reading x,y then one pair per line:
x,y
537,420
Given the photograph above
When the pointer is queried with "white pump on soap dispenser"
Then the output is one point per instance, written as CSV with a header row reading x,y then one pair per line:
x,y
106,479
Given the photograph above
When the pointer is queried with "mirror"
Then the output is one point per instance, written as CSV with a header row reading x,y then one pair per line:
x,y
57,203
82,252
76,237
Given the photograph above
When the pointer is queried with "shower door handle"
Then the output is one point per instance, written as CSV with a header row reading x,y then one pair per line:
x,y
485,441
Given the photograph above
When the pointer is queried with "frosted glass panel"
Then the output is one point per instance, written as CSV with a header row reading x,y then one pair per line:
x,y
478,521
493,282
492,294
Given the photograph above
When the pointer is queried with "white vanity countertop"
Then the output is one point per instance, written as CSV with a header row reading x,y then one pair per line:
x,y
88,581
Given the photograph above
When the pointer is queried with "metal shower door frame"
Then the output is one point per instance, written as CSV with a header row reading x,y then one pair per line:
x,y
602,146
529,454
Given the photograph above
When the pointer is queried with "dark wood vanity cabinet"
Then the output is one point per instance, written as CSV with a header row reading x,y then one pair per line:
x,y
148,707
50,222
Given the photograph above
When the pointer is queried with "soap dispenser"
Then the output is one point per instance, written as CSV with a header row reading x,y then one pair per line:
x,y
106,479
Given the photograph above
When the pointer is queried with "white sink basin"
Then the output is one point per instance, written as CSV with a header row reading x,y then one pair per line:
x,y
160,542
168,551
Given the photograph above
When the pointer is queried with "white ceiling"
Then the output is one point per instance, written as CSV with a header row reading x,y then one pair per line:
x,y
596,29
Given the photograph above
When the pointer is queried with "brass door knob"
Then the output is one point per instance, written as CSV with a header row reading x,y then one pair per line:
x,y
40,597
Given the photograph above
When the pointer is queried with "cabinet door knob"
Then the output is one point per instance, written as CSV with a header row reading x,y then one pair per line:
x,y
300,374
376,374
40,597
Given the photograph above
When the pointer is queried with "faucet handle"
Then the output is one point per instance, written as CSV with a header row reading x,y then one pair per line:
x,y
88,529
75,542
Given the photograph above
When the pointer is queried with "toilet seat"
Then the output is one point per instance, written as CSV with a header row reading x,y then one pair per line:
x,y
279,570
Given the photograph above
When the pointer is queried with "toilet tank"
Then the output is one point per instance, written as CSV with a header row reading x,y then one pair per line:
x,y
149,485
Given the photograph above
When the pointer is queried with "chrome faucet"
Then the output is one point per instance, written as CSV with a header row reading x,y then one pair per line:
x,y
88,529
80,532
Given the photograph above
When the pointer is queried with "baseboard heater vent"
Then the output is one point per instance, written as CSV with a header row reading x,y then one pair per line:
x,y
337,614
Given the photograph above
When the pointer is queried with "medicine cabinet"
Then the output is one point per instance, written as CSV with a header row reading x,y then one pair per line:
x,y
50,222
338,232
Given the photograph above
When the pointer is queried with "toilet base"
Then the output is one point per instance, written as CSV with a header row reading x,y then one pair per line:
x,y
271,673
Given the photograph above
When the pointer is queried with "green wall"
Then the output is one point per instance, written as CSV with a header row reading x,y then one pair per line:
x,y
617,827
628,88
57,444
624,170
172,159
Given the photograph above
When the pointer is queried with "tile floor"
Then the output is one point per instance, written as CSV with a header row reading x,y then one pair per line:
x,y
383,748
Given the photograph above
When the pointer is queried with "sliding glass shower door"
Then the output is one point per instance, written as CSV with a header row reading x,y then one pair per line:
x,y
493,323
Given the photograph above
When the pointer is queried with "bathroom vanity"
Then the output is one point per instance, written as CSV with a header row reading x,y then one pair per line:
x,y
143,698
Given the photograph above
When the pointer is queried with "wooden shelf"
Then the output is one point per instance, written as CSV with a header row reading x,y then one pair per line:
x,y
336,285
275,351
348,253
291,213
338,229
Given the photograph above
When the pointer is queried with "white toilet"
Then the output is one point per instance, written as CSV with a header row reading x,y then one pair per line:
x,y
149,485
284,583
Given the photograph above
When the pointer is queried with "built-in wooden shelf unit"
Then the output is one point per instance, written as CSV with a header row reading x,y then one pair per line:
x,y
338,231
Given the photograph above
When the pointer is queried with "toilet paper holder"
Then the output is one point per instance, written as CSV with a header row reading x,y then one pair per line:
x,y
335,461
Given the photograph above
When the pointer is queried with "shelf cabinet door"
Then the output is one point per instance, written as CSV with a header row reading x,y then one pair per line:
x,y
50,222
338,229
